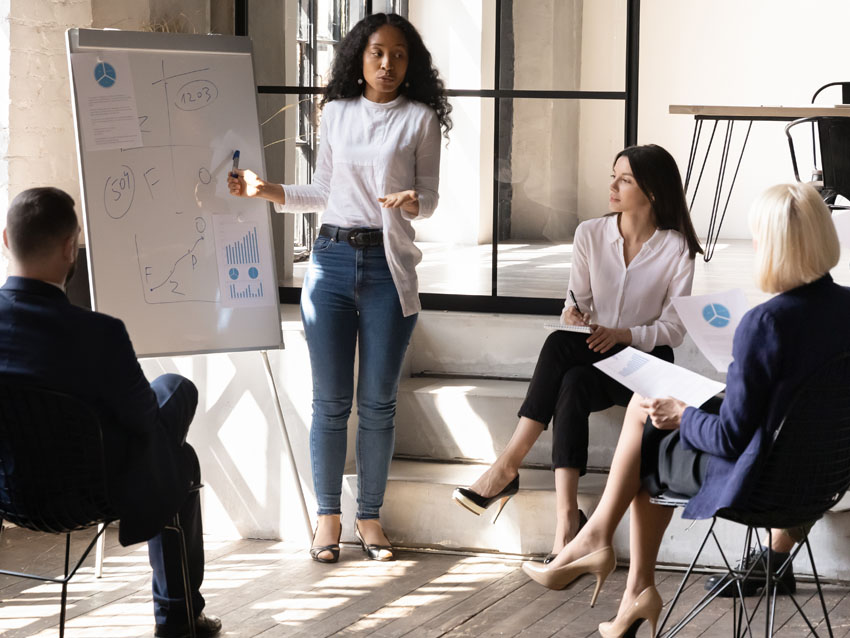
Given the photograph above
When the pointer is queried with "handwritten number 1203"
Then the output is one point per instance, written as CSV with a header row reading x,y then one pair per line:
x,y
196,95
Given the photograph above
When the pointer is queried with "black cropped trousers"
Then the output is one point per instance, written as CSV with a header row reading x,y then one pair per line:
x,y
566,388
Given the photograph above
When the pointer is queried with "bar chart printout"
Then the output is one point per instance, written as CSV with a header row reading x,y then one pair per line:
x,y
244,263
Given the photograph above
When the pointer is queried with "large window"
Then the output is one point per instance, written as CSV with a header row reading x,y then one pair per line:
x,y
544,95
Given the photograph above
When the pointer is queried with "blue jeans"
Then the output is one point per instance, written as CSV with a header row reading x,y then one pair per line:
x,y
349,299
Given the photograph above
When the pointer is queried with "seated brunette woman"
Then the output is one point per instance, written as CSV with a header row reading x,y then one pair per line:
x,y
712,458
626,267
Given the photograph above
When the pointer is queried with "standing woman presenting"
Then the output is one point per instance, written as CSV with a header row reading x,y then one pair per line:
x,y
377,170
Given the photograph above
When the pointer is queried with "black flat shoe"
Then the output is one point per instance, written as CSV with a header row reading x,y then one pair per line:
x,y
315,552
204,626
381,553
476,503
582,520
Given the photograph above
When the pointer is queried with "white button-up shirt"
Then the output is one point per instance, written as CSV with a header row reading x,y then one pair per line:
x,y
367,151
635,297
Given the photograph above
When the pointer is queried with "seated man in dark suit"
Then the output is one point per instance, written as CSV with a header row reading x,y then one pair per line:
x,y
150,467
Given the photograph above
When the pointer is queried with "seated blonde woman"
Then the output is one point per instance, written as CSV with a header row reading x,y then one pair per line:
x,y
713,458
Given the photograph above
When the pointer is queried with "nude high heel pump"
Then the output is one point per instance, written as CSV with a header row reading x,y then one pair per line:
x,y
599,563
647,606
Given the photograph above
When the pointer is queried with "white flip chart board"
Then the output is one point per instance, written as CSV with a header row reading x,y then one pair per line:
x,y
186,266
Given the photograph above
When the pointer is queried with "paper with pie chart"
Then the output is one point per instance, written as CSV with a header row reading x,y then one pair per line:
x,y
711,320
106,100
245,271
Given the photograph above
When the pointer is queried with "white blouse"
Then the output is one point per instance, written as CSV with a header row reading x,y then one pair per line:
x,y
367,151
635,297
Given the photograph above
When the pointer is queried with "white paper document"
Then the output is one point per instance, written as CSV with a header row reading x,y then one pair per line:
x,y
711,320
653,378
555,325
106,99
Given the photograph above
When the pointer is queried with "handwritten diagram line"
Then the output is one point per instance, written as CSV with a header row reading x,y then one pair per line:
x,y
174,267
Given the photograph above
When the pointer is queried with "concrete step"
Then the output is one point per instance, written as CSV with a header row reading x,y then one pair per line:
x,y
495,345
419,512
472,419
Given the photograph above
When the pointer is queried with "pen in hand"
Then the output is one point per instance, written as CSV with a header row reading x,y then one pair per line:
x,y
235,166
575,304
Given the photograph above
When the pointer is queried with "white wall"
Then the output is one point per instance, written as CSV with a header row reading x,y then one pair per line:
x,y
736,53
41,148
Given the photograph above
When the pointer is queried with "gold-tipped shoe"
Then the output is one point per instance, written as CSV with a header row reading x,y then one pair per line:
x,y
599,563
647,606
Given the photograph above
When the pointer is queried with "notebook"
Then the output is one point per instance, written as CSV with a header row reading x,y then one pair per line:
x,y
555,325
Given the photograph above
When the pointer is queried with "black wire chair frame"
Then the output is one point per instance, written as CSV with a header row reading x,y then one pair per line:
x,y
845,99
834,137
803,477
53,477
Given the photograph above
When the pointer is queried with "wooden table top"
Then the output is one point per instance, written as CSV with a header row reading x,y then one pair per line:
x,y
765,112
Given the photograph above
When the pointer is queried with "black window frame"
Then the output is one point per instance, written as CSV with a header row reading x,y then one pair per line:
x,y
494,302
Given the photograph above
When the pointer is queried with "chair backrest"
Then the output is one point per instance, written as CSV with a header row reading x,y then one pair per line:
x,y
52,473
845,91
807,469
834,137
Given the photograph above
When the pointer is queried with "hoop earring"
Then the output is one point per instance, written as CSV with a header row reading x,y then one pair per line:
x,y
359,80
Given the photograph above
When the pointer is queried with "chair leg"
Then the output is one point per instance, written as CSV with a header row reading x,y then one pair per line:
x,y
679,625
64,599
98,552
817,584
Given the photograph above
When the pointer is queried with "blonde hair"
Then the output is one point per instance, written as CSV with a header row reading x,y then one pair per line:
x,y
796,239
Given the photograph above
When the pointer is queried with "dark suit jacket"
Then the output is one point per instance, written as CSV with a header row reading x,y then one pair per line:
x,y
777,345
46,340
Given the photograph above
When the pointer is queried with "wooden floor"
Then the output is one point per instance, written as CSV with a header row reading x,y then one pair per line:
x,y
268,588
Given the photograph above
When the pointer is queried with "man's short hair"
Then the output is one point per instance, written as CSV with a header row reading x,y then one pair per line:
x,y
38,219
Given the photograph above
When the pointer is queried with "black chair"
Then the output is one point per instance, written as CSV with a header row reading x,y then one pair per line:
x,y
834,137
845,99
805,474
53,478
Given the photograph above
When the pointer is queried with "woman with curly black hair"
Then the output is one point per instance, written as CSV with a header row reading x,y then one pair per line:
x,y
377,171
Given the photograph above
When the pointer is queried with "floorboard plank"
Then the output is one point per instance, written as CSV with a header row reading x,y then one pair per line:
x,y
269,589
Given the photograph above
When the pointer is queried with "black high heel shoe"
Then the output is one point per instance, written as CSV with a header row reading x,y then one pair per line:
x,y
315,552
373,552
582,519
476,503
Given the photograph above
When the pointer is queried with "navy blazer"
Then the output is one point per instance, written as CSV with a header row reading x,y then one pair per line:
x,y
54,344
777,345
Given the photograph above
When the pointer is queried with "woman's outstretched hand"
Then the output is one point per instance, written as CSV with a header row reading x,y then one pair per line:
x,y
408,201
666,413
602,339
246,183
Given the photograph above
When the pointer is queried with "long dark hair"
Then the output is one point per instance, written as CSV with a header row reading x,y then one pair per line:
x,y
657,175
421,83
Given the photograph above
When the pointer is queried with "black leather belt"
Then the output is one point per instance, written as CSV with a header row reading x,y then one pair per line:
x,y
356,237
